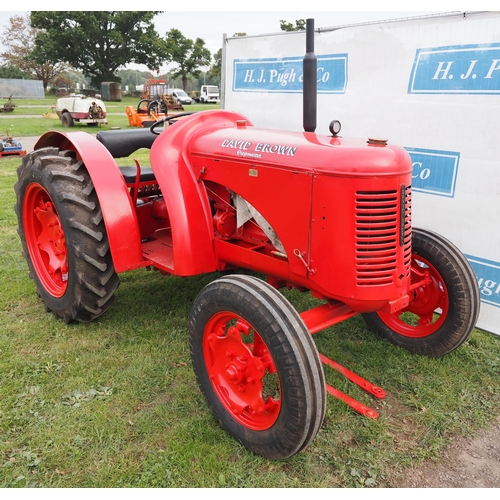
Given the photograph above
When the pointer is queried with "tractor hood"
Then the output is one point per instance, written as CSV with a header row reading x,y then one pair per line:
x,y
301,151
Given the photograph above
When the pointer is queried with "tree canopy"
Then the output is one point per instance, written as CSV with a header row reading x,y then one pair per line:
x,y
215,70
300,24
188,55
10,71
98,42
19,40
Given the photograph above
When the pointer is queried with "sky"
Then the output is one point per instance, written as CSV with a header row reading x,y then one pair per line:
x,y
256,18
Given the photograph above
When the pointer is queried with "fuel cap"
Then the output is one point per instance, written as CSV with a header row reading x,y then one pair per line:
x,y
377,142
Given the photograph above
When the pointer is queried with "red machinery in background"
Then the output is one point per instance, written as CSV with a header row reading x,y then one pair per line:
x,y
154,105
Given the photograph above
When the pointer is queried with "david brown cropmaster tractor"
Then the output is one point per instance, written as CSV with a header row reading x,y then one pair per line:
x,y
320,213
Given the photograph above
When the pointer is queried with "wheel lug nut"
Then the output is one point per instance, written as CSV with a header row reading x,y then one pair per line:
x,y
232,372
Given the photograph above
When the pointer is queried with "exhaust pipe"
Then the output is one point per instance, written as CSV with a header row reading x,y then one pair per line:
x,y
310,87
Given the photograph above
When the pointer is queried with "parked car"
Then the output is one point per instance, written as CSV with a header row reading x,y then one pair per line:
x,y
180,95
78,108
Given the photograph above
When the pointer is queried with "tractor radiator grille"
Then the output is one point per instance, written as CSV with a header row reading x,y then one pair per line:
x,y
406,226
383,225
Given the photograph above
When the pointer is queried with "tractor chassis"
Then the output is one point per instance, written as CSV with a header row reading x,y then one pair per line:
x,y
324,316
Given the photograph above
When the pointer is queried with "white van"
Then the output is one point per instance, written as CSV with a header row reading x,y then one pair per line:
x,y
180,95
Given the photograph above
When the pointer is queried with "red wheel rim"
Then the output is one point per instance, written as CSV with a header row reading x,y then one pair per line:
x,y
45,240
428,306
242,371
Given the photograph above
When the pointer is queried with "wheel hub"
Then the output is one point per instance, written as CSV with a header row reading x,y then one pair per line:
x,y
238,371
51,239
45,240
429,304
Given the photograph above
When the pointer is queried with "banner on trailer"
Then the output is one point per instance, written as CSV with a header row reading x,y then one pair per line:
x,y
285,74
430,84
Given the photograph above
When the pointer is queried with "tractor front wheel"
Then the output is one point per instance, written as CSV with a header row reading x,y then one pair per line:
x,y
63,235
257,366
444,300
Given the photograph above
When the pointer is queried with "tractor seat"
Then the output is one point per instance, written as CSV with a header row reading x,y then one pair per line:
x,y
130,174
122,143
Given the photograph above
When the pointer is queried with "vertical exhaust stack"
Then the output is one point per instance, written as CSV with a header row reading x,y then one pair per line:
x,y
310,89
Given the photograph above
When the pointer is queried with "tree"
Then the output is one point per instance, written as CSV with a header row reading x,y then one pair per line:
x,y
300,24
215,70
10,71
19,39
98,42
76,77
133,77
188,55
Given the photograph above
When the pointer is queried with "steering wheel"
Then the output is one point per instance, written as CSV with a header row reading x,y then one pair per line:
x,y
168,119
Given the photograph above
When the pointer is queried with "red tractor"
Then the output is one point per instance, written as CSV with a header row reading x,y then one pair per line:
x,y
320,213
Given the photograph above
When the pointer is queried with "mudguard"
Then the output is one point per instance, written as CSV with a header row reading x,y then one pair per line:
x,y
116,205
185,194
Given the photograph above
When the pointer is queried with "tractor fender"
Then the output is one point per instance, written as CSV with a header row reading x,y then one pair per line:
x,y
116,206
185,194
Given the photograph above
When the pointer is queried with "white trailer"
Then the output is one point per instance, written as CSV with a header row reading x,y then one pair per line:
x,y
430,84
78,108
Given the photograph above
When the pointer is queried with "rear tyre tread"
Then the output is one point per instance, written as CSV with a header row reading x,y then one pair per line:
x,y
92,280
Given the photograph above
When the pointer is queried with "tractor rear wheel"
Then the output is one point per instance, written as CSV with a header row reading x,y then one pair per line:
x,y
257,366
443,309
63,235
67,120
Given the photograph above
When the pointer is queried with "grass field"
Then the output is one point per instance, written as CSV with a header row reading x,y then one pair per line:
x,y
114,403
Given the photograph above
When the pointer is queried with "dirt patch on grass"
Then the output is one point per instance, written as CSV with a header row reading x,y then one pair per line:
x,y
472,462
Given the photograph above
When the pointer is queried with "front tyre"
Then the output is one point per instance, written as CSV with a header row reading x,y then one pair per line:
x,y
444,301
257,366
63,236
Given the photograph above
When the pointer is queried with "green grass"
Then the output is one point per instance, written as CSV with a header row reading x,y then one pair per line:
x,y
114,403
16,126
